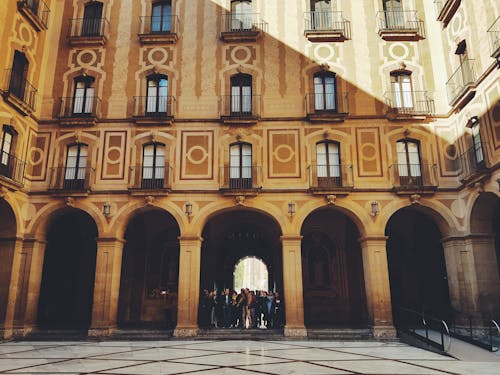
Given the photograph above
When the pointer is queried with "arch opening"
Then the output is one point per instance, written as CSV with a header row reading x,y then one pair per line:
x,y
7,245
250,273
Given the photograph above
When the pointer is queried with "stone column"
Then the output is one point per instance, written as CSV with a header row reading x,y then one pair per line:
x,y
106,286
378,293
292,285
189,286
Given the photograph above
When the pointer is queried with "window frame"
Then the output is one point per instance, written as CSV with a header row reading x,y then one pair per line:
x,y
477,144
401,96
325,105
239,104
155,178
7,156
161,106
19,74
241,175
92,20
86,109
162,5
409,172
76,179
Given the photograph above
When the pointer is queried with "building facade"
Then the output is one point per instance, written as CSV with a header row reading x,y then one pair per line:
x,y
148,146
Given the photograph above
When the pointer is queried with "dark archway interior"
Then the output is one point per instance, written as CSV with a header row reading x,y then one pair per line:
x,y
7,244
67,288
417,268
150,271
332,271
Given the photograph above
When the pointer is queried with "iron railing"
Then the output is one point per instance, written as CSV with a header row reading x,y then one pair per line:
x,y
71,178
328,177
325,21
464,76
88,28
37,7
16,84
159,25
12,167
240,178
476,330
240,106
150,177
413,176
472,160
494,32
72,106
153,106
321,103
400,20
242,23
409,102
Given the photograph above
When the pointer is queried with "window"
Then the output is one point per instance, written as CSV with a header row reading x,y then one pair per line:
x,y
409,167
328,160
83,100
321,15
92,19
241,95
402,93
76,166
240,166
476,140
161,17
6,146
19,75
153,166
394,15
157,95
241,18
325,98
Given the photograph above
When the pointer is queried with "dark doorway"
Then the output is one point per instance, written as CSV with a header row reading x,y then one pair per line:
x,y
417,268
332,271
150,272
67,288
7,244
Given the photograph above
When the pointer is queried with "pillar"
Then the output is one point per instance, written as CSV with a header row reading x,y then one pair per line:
x,y
189,286
106,286
378,293
292,286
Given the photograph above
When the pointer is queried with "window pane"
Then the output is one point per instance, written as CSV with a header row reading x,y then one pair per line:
x,y
321,160
246,99
79,98
89,100
235,99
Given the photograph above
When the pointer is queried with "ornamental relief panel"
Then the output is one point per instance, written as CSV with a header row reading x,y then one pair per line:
x,y
197,150
284,158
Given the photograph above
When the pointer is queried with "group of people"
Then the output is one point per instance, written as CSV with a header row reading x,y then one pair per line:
x,y
247,309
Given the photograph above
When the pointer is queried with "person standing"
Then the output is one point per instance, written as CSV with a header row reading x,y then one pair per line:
x,y
225,304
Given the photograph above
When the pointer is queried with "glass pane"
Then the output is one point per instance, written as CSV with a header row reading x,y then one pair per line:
x,y
478,147
79,98
246,99
321,160
235,99
89,100
402,159
334,159
414,159
152,96
7,141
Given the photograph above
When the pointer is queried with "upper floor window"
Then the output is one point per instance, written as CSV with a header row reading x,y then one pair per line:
x,y
328,164
161,17
321,15
76,166
241,94
92,19
476,140
157,94
394,15
6,146
409,165
240,165
83,99
153,166
19,75
401,86
241,18
325,98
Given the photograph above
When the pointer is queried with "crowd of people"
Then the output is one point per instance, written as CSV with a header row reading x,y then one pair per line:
x,y
247,309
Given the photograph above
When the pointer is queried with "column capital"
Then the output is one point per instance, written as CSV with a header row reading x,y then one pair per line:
x,y
470,236
291,238
373,239
190,239
110,239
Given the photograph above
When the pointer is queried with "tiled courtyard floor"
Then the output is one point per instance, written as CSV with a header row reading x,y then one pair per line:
x,y
230,357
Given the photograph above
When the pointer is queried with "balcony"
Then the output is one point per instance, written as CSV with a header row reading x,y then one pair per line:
x,y
494,33
330,179
461,86
418,178
400,26
473,162
240,109
158,30
445,9
19,92
11,169
150,180
242,27
332,107
88,32
71,180
240,180
326,27
408,105
79,111
36,11
154,110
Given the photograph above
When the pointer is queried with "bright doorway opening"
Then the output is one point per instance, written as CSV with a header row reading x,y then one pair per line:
x,y
251,273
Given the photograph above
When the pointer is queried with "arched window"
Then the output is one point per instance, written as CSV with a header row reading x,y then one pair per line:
x,y
325,96
241,94
402,91
6,154
19,75
157,95
83,99
92,19
328,164
409,164
321,15
241,18
240,166
161,17
153,166
76,166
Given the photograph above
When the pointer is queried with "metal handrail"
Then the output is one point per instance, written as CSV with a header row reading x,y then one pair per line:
x,y
327,103
325,21
39,8
88,27
400,20
15,83
158,25
242,22
409,102
494,32
463,76
496,327
476,330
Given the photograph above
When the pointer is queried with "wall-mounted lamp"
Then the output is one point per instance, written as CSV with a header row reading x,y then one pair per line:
x,y
106,210
474,120
375,209
291,209
189,209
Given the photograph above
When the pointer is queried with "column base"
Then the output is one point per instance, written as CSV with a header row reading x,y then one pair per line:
x,y
100,332
384,332
298,331
6,333
186,331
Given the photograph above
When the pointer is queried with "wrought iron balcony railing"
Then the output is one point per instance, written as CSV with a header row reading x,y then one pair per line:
x,y
37,11
413,103
242,22
460,81
12,167
150,177
81,28
399,25
327,104
326,26
76,179
240,178
472,161
324,177
240,106
77,107
159,25
413,176
17,85
154,106
494,32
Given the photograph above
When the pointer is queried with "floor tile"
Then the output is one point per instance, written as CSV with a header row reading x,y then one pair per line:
x,y
312,354
231,359
158,354
463,368
78,365
381,367
295,368
160,368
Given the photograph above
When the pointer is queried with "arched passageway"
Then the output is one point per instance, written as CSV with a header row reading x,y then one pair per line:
x,y
417,268
66,294
150,271
332,271
7,246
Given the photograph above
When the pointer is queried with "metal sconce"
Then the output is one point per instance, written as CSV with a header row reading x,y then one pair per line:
x,y
189,209
106,210
375,209
291,209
